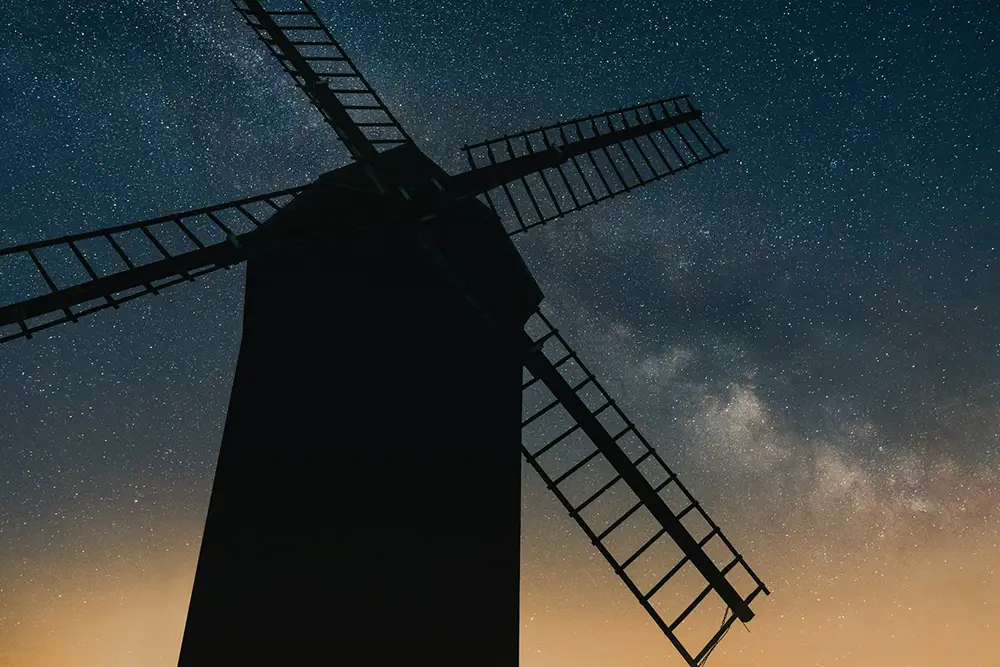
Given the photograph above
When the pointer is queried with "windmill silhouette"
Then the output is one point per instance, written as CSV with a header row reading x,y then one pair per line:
x,y
367,493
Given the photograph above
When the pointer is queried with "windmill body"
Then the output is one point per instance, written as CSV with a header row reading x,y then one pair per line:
x,y
393,372
367,496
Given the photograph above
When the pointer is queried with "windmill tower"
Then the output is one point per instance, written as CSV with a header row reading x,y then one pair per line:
x,y
367,494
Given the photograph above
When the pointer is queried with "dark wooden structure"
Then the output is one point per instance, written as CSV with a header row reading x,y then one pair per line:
x,y
367,495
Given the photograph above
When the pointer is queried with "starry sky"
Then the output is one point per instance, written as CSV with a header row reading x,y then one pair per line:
x,y
806,327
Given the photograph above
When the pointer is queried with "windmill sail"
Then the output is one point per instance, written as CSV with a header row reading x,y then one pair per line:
x,y
296,36
658,539
534,177
62,279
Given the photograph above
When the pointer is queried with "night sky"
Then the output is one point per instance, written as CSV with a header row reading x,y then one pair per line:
x,y
807,328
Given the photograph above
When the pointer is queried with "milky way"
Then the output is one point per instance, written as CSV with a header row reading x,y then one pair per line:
x,y
806,327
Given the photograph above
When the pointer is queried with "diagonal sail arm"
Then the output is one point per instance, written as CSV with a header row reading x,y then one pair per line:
x,y
497,174
543,174
541,368
296,36
80,274
606,481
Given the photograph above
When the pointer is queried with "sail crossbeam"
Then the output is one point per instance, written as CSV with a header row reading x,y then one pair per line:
x,y
62,279
298,39
537,176
657,538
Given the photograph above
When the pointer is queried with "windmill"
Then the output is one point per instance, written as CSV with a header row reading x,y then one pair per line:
x,y
367,492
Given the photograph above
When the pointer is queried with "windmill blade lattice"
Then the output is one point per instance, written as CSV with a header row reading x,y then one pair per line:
x,y
591,465
60,280
296,36
648,142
